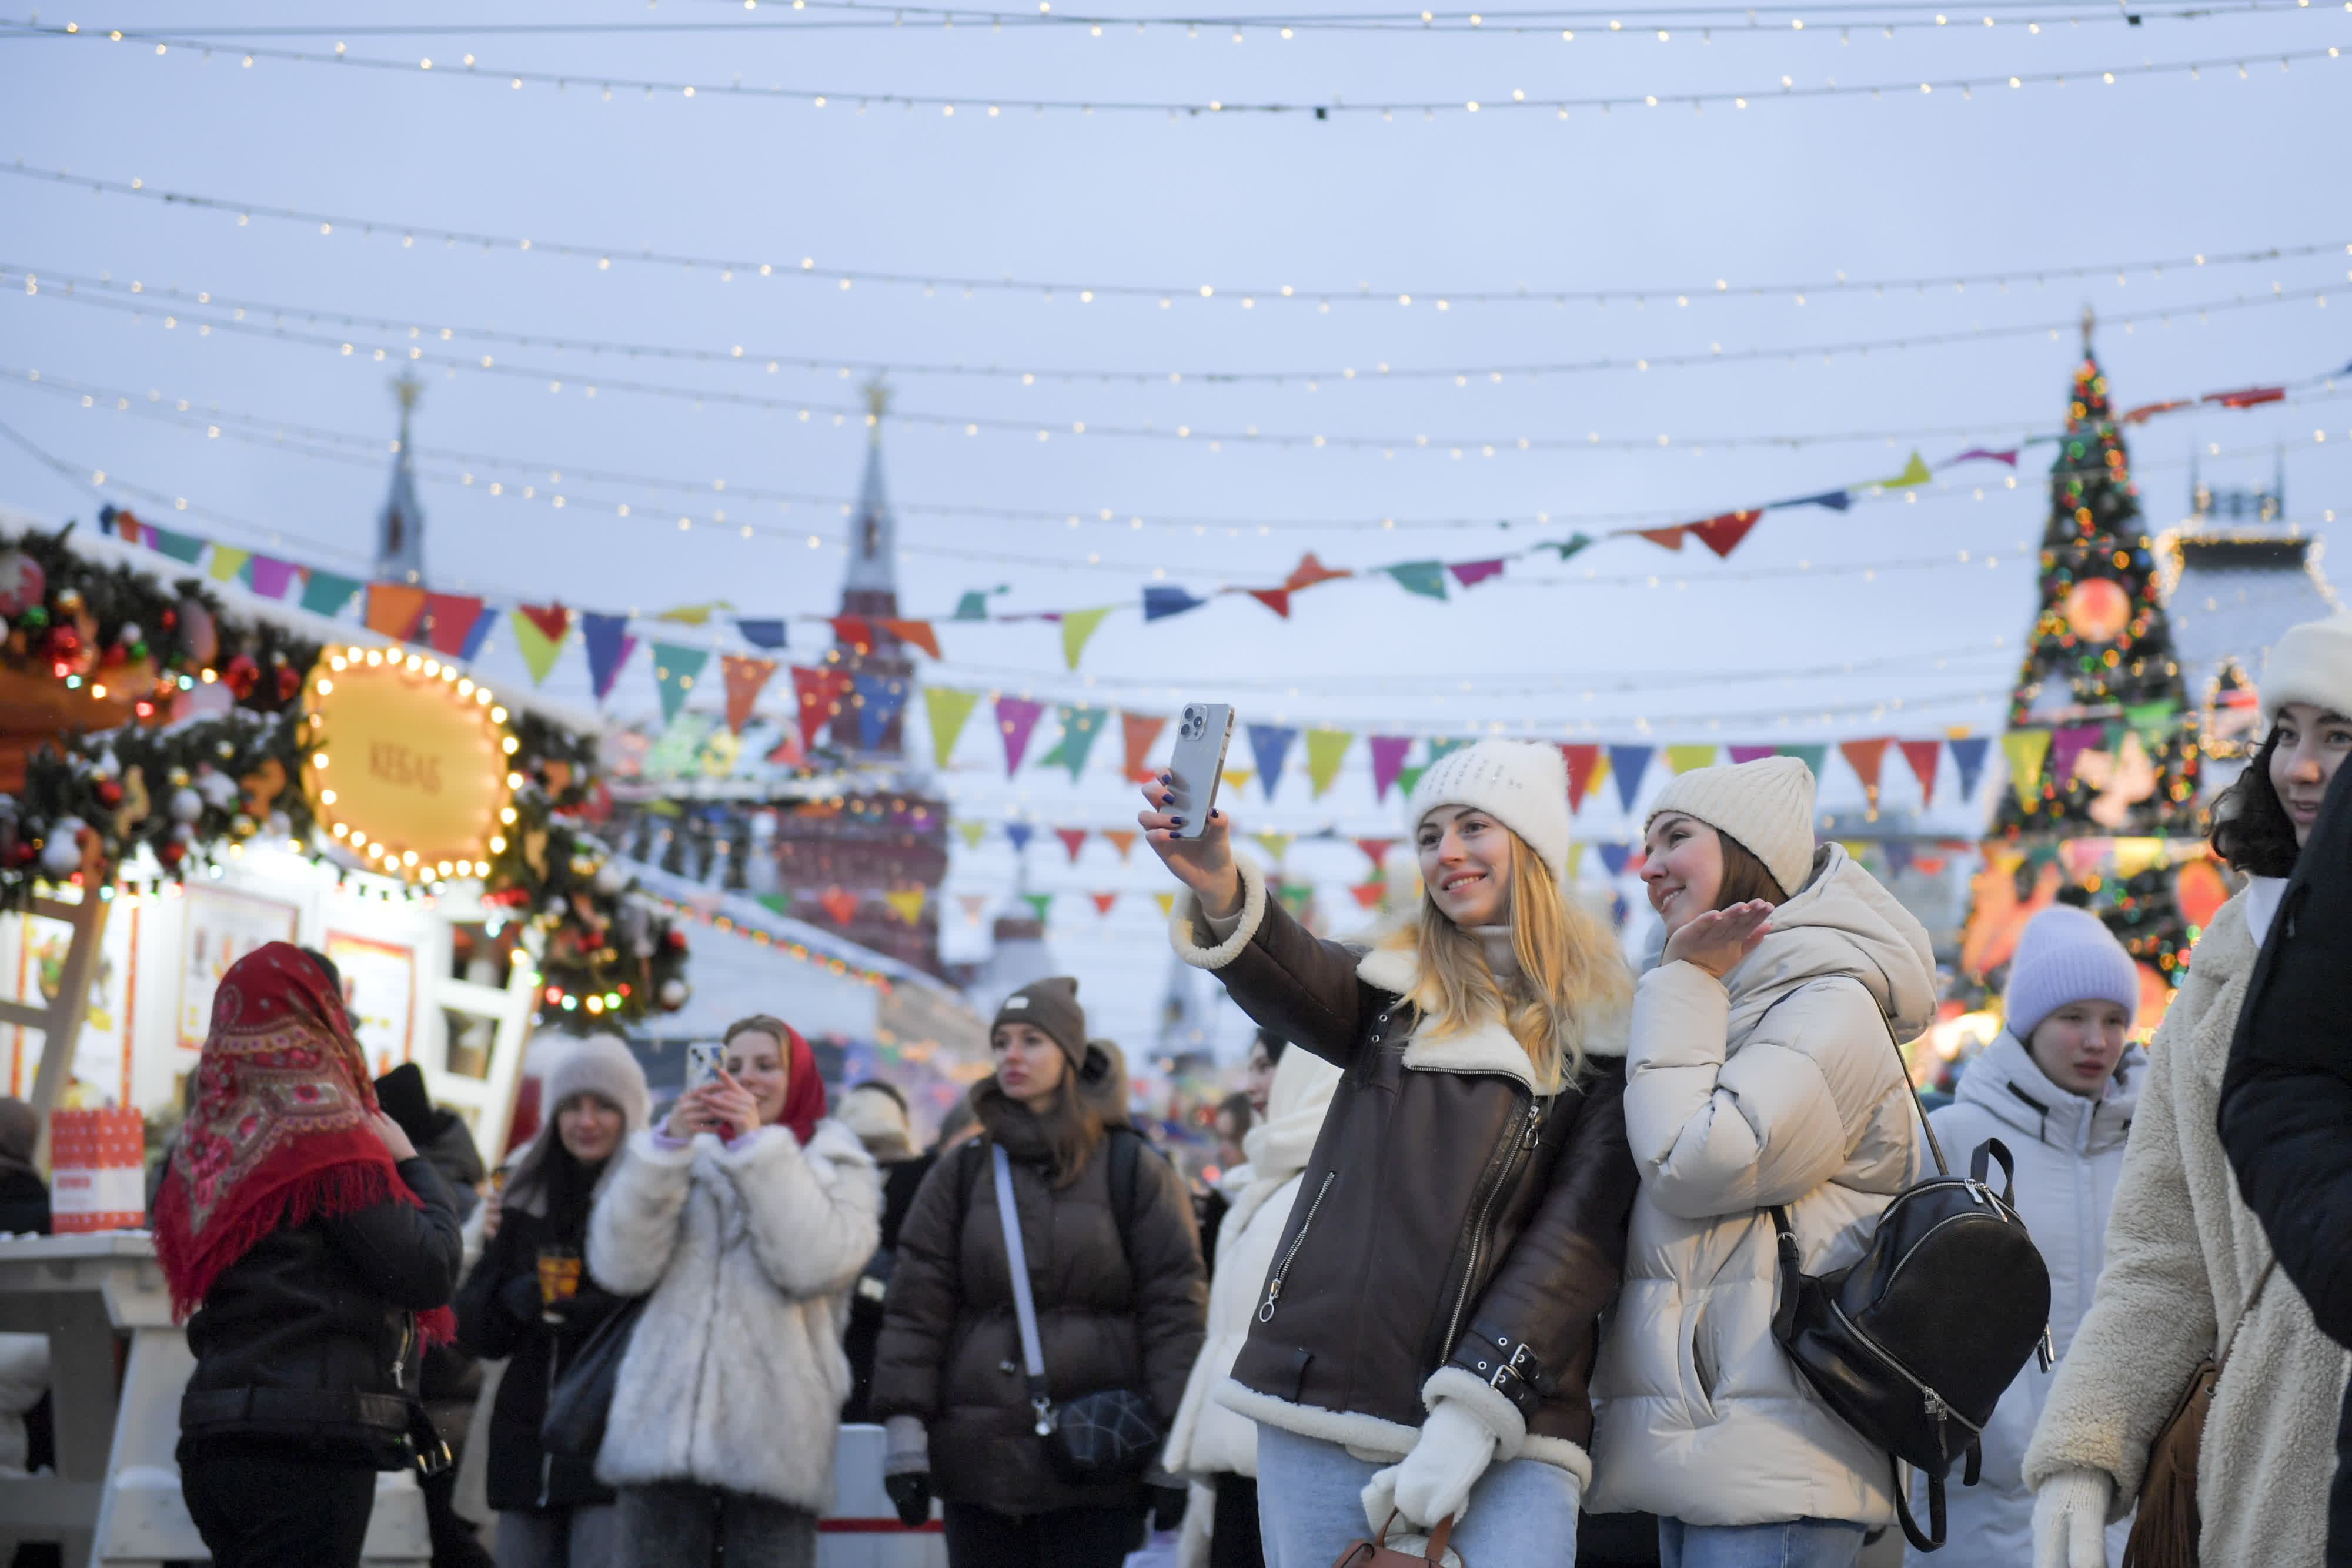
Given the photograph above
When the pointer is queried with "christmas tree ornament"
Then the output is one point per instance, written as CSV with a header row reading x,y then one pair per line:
x,y
199,638
242,675
674,993
23,584
2097,610
186,805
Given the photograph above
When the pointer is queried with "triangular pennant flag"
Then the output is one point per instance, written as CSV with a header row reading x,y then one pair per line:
x,y
393,609
270,576
852,633
1080,725
1141,732
1923,755
1270,746
450,621
906,904
184,547
1388,761
1166,902
971,833
1408,776
1041,904
538,649
1103,901
1914,473
1580,759
1073,840
1122,839
1015,718
1575,858
485,620
227,562
1835,500
1275,599
2069,744
840,904
914,633
1324,748
1567,547
2025,748
1812,757
1276,845
609,647
879,699
1159,603
1898,856
1740,754
774,903
1682,759
693,614
1422,577
1019,833
1672,539
673,671
763,634
1615,857
817,695
1471,574
1969,756
1629,763
133,530
1236,777
1866,757
1295,896
1310,571
1077,626
1376,851
1722,535
972,606
971,903
2152,722
947,709
745,679
552,620
1368,893
1444,745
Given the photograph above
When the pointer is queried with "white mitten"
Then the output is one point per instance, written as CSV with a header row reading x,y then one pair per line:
x,y
2069,1520
1433,1482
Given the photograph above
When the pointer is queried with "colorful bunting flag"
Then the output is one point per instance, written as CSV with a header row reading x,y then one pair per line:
x,y
1672,539
551,620
1276,845
1471,574
1376,851
1444,745
673,671
1969,756
1575,858
947,708
483,623
2068,744
1073,840
1270,746
1914,473
1275,599
1235,779
1324,748
1615,857
817,695
1812,757
1682,759
1567,547
1369,894
449,622
1740,754
972,606
1835,500
1310,571
1159,603
839,903
1019,833
393,609
852,633
762,633
227,562
1077,626
1722,535
184,547
1581,759
1166,902
971,833
693,614
1924,756
1040,905
1629,763
1122,839
2152,722
1015,718
879,700
538,649
1141,732
1080,725
270,577
1408,776
1388,761
1866,757
914,633
1103,901
906,904
2025,748
1422,577
745,679
971,903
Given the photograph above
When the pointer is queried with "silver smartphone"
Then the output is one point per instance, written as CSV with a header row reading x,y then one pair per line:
x,y
702,1063
1202,733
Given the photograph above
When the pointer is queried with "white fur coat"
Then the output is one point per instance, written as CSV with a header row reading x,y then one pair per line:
x,y
735,1375
2184,1254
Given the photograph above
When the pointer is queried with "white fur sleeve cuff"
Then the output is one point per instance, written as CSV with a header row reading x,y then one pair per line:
x,y
661,1154
1188,928
1500,1416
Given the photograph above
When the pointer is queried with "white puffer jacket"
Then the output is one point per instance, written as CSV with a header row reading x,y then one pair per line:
x,y
2184,1255
1776,1084
735,1374
2069,1152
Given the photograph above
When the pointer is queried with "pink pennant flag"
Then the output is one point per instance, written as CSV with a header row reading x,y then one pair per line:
x,y
1471,574
2068,744
271,577
1388,761
1073,840
1749,753
1015,718
1987,453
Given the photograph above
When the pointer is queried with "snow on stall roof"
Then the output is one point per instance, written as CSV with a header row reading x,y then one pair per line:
x,y
2233,593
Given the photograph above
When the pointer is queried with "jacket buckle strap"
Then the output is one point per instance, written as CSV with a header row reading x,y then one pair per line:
x,y
1510,1367
1043,1406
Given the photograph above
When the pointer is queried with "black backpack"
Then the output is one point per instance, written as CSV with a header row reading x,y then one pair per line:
x,y
1912,1343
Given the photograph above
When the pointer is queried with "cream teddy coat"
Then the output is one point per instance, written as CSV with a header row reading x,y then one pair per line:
x,y
735,1375
2183,1256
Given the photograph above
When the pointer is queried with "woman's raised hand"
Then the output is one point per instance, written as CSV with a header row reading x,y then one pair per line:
x,y
1205,864
1720,939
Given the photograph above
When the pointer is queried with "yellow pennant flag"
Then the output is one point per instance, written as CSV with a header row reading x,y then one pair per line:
x,y
2133,856
1575,857
971,833
538,649
1275,844
228,561
1914,473
905,902
1166,902
1325,747
1236,777
1682,759
947,708
2025,749
1077,625
694,614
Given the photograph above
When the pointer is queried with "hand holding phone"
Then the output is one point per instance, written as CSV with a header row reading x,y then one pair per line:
x,y
1204,863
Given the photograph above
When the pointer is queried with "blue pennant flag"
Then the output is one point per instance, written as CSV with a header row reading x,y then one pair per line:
x,y
1159,603
1969,756
879,698
762,633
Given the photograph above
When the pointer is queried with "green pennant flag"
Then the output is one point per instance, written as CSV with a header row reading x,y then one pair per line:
x,y
2153,722
179,546
1080,725
1040,903
1442,747
1325,747
1295,896
1914,473
776,903
1812,757
1077,626
1567,547
1407,778
673,671
947,708
324,593
538,649
1423,577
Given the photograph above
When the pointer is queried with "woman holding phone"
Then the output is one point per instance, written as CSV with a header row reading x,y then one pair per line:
x,y
745,1220
1423,1344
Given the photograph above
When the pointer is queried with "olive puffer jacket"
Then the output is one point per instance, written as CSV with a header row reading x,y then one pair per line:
x,y
1111,1313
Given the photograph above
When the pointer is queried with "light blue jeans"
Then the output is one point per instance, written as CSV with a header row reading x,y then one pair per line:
x,y
1521,1514
1794,1543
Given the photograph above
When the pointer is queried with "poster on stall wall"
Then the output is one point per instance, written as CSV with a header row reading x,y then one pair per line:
x,y
223,928
35,969
380,994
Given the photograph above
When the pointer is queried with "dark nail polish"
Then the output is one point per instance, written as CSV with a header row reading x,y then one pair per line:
x,y
1175,822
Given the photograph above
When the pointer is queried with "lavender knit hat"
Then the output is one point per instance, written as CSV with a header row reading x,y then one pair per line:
x,y
2067,955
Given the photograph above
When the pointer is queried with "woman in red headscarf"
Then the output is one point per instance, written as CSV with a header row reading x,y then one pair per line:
x,y
744,1220
318,1253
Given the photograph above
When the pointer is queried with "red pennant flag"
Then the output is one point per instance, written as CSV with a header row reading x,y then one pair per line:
x,y
1310,571
853,632
1582,760
745,678
1142,731
1923,756
2140,415
1866,758
128,525
1275,599
839,903
453,616
1073,840
1376,851
1669,537
819,693
2247,397
1368,893
552,620
1471,574
1722,535
917,634
1103,901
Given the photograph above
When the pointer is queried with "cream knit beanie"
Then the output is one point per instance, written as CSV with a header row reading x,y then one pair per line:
x,y
1522,784
1766,805
601,1065
2310,664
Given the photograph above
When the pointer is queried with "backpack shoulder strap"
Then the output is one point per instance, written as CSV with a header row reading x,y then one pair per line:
x,y
1122,1148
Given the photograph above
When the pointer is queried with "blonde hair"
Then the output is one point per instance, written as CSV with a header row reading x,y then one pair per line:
x,y
1569,973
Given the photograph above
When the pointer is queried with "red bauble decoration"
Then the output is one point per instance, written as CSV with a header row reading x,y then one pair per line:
x,y
173,852
2097,609
114,657
241,676
289,681
674,940
109,794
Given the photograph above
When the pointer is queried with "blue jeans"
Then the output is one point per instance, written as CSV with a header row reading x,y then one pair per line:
x,y
1794,1543
1521,1514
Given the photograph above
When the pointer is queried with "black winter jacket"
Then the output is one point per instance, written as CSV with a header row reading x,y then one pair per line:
x,y
901,1180
310,1340
500,1314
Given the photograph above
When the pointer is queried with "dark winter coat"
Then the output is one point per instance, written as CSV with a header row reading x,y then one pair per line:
x,y
1451,1220
23,1201
500,1314
901,1180
311,1338
1111,1313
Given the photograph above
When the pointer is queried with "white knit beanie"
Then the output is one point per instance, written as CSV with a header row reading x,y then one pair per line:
x,y
1522,784
2067,955
2310,664
601,1065
1766,805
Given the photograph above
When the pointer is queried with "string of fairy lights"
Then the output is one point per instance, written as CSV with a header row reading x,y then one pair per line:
x,y
984,106
1168,295
235,312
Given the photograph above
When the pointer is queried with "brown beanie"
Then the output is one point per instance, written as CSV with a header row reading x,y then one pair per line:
x,y
1051,1005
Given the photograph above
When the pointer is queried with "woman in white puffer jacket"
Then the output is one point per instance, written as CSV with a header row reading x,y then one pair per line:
x,y
1761,1072
1212,1446
2058,1087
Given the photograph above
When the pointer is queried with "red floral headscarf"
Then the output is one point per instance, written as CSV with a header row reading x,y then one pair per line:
x,y
280,1132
